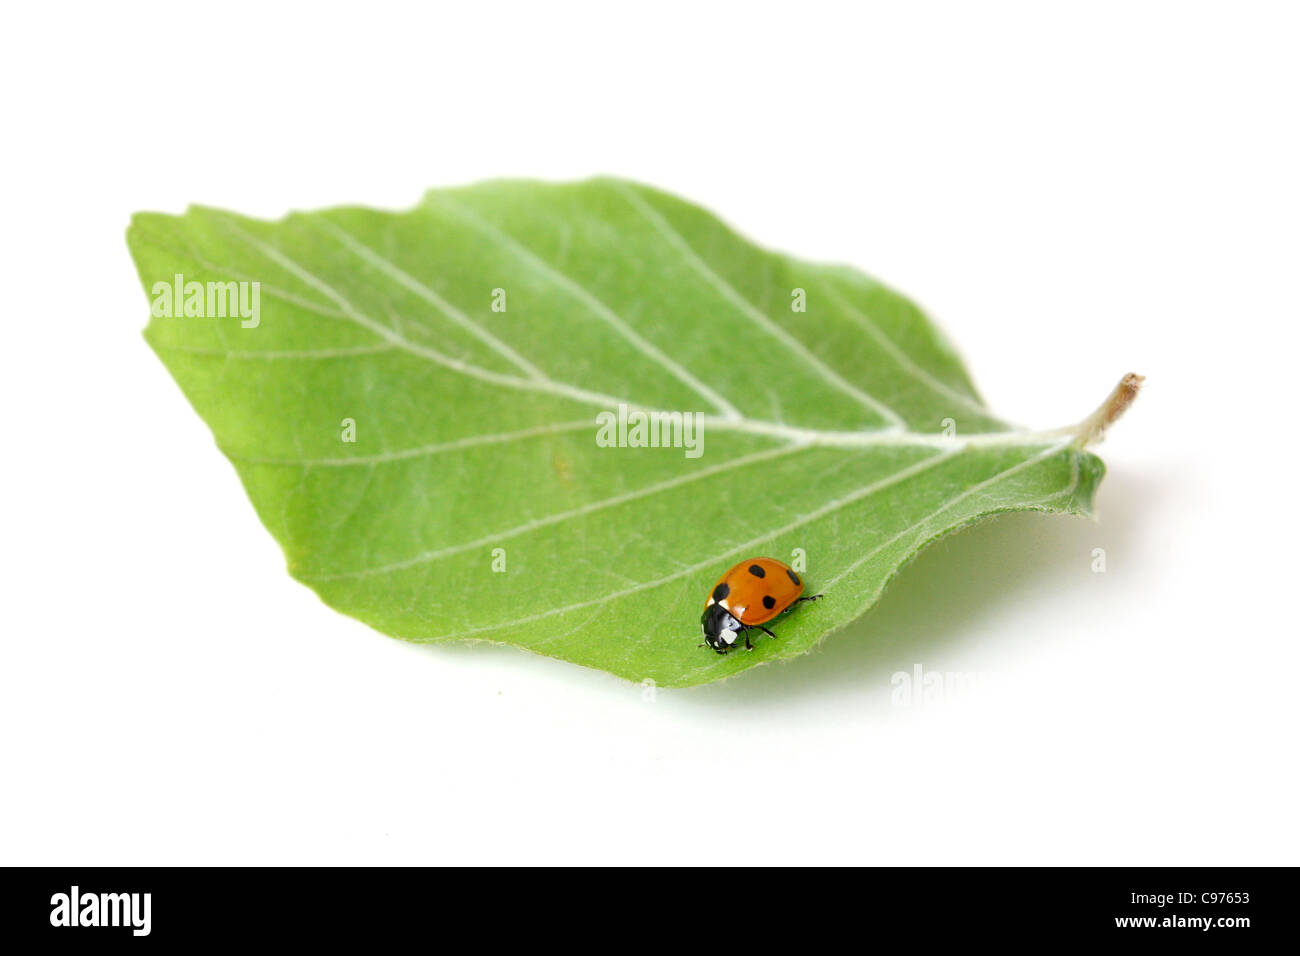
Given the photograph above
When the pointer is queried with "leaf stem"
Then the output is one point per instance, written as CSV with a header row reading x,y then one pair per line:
x,y
1092,428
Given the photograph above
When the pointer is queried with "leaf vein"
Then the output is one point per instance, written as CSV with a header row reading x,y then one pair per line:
x,y
595,305
536,523
404,278
759,317
744,547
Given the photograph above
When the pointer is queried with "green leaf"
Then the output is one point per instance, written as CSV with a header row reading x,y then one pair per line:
x,y
476,429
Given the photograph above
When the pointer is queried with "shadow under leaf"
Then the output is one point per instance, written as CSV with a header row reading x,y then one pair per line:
x,y
940,598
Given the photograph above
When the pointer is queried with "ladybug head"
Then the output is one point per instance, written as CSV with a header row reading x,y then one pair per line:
x,y
720,628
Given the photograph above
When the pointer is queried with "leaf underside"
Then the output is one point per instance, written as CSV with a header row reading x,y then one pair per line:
x,y
475,429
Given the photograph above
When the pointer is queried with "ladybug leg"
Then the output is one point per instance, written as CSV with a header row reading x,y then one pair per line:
x,y
764,630
811,597
748,646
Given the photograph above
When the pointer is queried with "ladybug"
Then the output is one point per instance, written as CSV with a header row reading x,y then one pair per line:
x,y
751,593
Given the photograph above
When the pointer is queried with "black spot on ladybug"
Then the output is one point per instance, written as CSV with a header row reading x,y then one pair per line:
x,y
769,602
756,571
721,591
793,577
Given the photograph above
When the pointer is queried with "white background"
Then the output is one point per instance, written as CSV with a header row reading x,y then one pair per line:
x,y
1074,192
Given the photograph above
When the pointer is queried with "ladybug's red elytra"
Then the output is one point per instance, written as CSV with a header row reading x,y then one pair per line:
x,y
745,598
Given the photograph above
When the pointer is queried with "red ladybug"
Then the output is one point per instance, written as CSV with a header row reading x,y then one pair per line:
x,y
751,593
